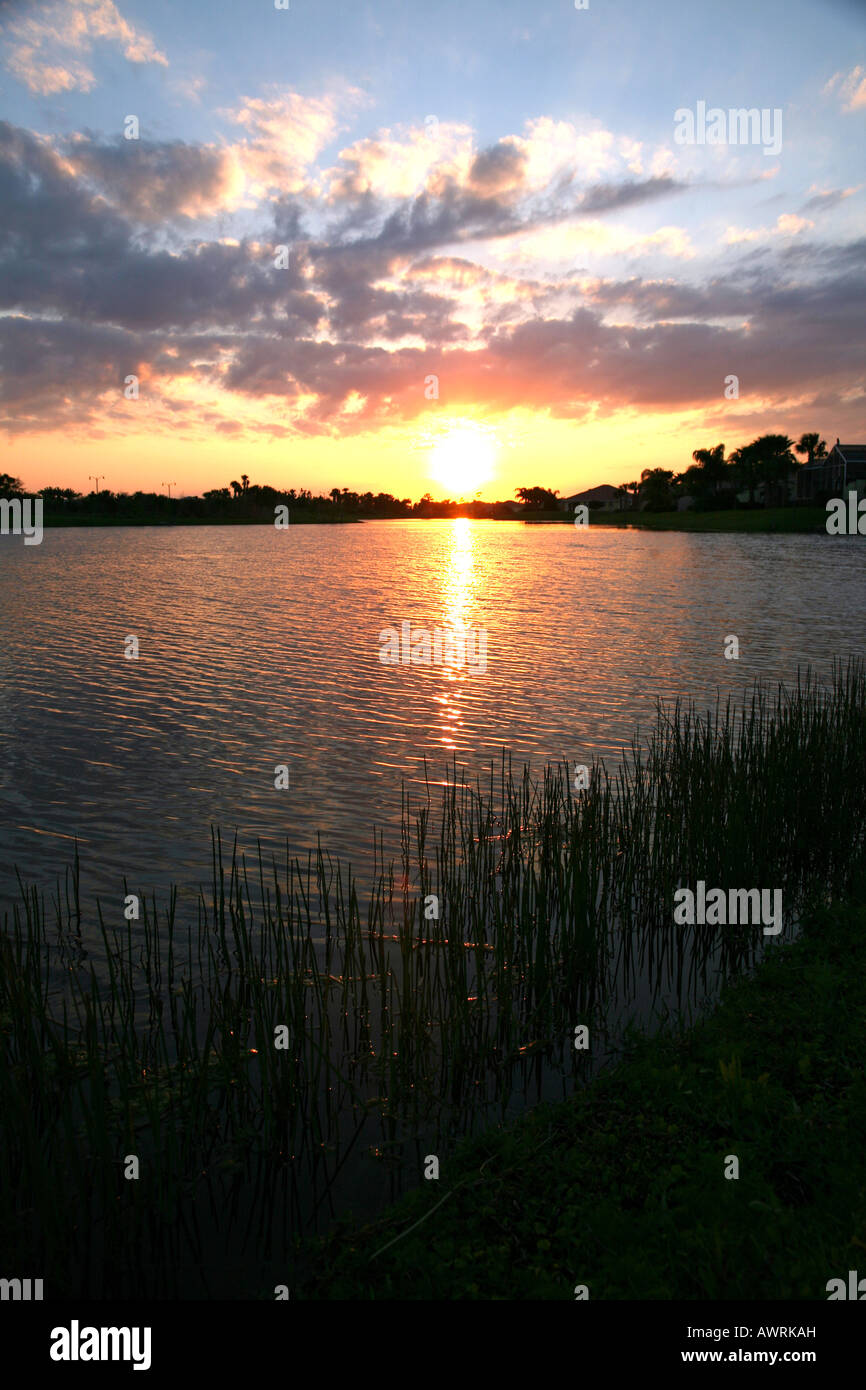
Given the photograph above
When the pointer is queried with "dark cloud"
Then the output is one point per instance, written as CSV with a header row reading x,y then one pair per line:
x,y
93,292
155,182
63,250
609,197
45,212
823,202
498,168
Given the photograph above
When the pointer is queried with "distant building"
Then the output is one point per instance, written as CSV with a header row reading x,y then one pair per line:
x,y
605,498
842,471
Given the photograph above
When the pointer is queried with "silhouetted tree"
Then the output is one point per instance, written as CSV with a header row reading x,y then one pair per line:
x,y
712,462
813,446
656,490
63,495
775,462
538,498
746,465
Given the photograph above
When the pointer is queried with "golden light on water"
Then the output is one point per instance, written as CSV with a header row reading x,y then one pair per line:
x,y
458,594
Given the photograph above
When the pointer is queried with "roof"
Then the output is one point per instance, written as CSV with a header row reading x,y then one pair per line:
x,y
850,453
854,453
605,492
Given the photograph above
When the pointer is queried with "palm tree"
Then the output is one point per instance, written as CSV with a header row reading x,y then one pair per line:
x,y
813,446
768,459
692,482
745,463
776,463
655,488
712,461
538,498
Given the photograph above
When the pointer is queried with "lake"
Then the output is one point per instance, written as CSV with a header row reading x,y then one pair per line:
x,y
259,663
260,648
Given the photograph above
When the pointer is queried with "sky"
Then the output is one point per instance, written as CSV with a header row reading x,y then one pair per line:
x,y
454,248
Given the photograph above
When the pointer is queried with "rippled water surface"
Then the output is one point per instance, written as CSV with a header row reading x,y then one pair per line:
x,y
260,647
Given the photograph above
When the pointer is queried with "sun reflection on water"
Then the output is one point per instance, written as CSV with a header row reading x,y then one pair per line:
x,y
458,596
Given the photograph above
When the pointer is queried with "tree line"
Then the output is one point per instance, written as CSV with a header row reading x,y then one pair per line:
x,y
712,480
242,501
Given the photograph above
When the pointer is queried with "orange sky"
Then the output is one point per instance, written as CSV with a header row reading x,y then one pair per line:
x,y
526,449
291,244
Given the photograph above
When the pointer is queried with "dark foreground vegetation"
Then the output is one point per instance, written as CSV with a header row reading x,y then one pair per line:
x,y
291,1047
622,1188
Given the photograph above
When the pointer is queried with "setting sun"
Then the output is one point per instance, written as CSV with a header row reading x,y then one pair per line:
x,y
464,459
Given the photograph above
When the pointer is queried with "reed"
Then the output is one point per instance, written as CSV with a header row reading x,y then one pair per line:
x,y
156,1037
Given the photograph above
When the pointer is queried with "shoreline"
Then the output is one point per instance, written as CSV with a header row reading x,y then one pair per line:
x,y
622,1188
792,520
270,1040
788,520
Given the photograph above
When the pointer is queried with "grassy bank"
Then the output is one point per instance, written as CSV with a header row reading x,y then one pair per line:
x,y
623,1188
762,519
297,1033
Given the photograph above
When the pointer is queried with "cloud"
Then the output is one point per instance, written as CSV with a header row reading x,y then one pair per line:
x,y
189,88
557,152
829,198
285,134
419,189
499,169
398,164
609,197
787,224
577,238
159,181
102,274
48,47
65,250
850,88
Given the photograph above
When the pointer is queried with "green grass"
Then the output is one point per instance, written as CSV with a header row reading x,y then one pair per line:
x,y
156,1037
761,519
623,1189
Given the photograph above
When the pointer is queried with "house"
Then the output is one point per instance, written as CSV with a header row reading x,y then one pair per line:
x,y
605,498
841,472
